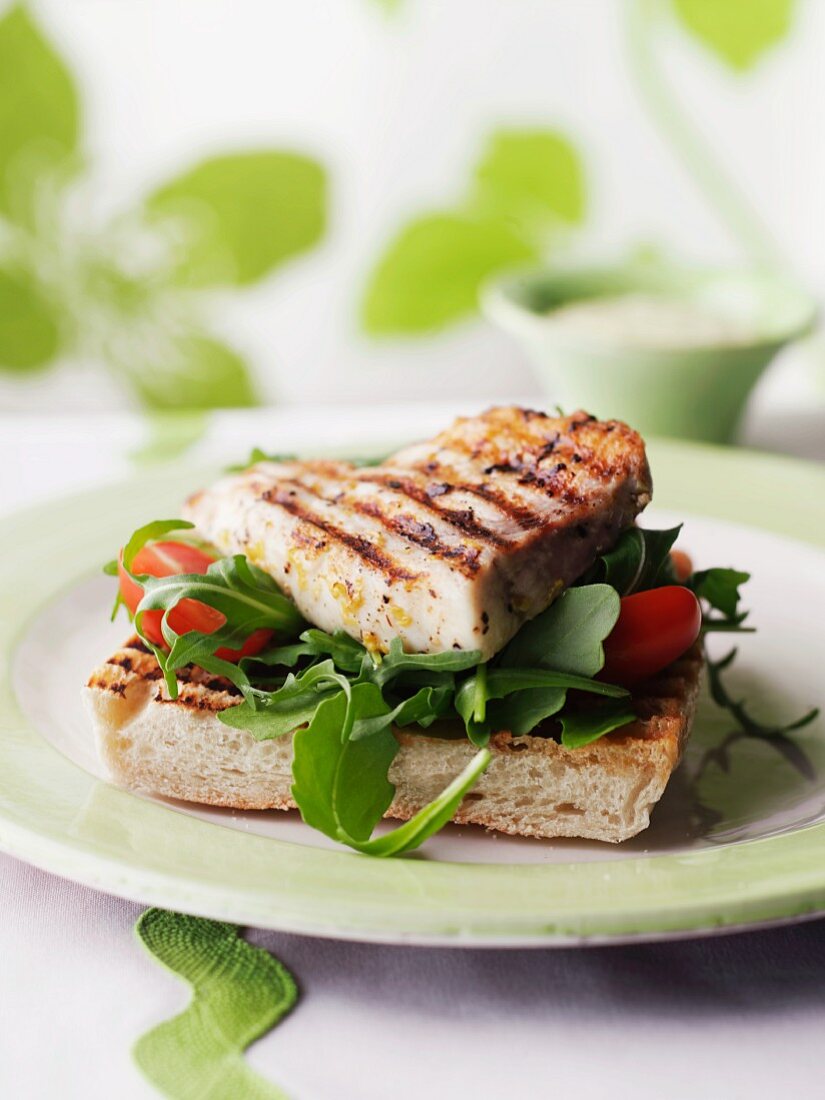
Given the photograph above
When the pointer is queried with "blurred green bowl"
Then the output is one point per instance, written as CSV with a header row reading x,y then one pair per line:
x,y
697,391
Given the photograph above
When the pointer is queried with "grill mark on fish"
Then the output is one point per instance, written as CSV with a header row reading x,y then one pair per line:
x,y
560,489
547,480
526,518
369,553
463,520
463,558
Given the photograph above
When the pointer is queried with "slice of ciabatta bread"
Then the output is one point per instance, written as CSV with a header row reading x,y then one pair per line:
x,y
532,787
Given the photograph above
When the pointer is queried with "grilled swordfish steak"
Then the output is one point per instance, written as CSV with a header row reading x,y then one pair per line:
x,y
449,544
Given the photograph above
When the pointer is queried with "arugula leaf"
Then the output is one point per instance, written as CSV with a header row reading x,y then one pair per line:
x,y
720,587
504,682
150,532
285,656
478,700
342,789
750,726
248,598
299,694
277,719
425,707
433,817
713,625
567,636
256,455
521,712
639,560
372,460
397,661
581,727
346,652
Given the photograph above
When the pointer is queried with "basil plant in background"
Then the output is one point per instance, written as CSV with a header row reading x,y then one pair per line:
x,y
525,194
132,295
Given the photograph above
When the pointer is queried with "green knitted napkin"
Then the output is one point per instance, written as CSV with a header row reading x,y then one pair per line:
x,y
239,992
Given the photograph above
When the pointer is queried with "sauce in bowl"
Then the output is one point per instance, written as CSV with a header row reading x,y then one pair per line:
x,y
650,321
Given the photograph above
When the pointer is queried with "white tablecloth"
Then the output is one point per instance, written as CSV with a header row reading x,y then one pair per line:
x,y
737,1016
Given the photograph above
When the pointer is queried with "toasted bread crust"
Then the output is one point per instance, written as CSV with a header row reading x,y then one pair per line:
x,y
534,786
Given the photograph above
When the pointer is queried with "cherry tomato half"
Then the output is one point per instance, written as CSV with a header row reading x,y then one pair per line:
x,y
163,559
653,629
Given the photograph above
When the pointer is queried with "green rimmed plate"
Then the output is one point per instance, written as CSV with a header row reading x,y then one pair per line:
x,y
738,839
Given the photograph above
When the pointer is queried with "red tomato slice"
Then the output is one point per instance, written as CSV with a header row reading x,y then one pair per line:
x,y
653,629
163,559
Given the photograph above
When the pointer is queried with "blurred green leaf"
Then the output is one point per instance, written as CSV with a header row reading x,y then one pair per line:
x,y
737,31
29,325
194,371
430,274
170,435
39,114
243,214
536,174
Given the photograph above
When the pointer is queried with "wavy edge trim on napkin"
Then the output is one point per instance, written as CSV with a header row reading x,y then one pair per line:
x,y
238,993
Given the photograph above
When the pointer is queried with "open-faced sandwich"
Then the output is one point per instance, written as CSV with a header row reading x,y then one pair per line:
x,y
473,630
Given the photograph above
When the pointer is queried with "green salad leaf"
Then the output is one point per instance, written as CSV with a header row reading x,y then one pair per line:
x,y
396,661
256,455
433,817
502,683
268,723
346,652
749,725
150,532
524,710
720,587
421,709
567,636
639,560
269,714
248,598
581,727
342,787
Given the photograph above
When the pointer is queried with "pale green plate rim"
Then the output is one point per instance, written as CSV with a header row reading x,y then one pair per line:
x,y
58,817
